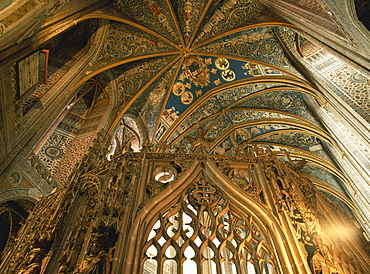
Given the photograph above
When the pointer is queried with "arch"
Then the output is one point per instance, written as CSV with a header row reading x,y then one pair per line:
x,y
112,101
358,13
12,215
77,126
268,24
126,107
224,112
265,220
122,20
239,83
308,128
168,94
312,158
17,193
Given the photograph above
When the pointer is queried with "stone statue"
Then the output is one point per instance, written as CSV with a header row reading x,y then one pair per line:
x,y
34,263
323,262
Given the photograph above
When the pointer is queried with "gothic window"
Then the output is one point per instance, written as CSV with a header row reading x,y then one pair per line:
x,y
204,234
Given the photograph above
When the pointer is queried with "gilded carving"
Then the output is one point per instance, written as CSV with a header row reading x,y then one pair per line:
x,y
80,223
99,254
246,181
41,169
203,224
323,262
35,262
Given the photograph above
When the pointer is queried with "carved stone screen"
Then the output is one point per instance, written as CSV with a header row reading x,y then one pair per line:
x,y
203,234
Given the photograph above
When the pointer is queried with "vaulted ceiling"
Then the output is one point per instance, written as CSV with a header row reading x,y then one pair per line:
x,y
222,66
234,70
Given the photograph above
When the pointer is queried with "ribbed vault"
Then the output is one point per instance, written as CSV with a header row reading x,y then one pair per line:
x,y
218,65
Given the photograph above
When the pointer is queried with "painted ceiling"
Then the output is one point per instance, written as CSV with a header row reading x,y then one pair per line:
x,y
218,66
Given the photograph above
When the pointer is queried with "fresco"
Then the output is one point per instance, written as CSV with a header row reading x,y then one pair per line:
x,y
244,134
295,139
258,44
352,82
189,13
151,101
288,101
53,149
346,81
220,16
199,75
125,41
324,176
154,15
132,77
228,15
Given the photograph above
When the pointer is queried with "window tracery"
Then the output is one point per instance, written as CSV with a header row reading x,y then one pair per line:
x,y
202,233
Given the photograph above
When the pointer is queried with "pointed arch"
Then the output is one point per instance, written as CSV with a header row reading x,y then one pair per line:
x,y
238,202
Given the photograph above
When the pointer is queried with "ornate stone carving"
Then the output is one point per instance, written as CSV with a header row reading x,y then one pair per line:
x,y
98,256
245,179
80,222
41,169
35,262
323,261
200,143
203,193
88,206
203,224
34,238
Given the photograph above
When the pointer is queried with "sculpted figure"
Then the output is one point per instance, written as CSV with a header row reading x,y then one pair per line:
x,y
241,177
34,264
322,261
92,263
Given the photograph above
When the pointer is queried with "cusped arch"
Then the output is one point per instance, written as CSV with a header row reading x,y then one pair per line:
x,y
240,203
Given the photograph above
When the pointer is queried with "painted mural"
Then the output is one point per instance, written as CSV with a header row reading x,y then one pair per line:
x,y
200,75
125,41
258,44
180,66
154,15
